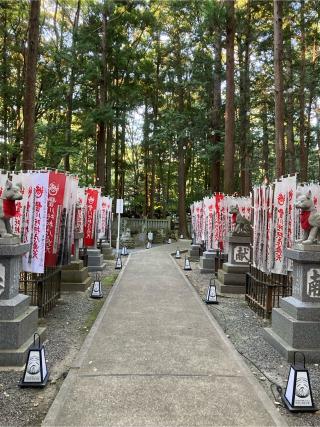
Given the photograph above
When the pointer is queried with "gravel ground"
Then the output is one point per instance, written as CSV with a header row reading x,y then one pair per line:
x,y
67,326
244,329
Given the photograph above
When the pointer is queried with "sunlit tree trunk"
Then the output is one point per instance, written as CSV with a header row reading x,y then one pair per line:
x,y
229,147
278,86
28,151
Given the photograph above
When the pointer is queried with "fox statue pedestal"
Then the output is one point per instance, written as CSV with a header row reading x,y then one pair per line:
x,y
296,323
18,320
232,276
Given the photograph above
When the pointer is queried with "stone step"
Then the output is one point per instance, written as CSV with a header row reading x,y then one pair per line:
x,y
237,269
287,351
18,357
301,310
70,276
101,267
235,279
76,286
15,332
230,289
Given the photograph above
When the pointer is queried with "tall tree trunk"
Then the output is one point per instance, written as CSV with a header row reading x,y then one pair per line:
x,y
101,132
4,90
70,91
244,128
265,144
278,85
108,157
122,155
216,125
303,148
30,87
289,114
116,156
229,147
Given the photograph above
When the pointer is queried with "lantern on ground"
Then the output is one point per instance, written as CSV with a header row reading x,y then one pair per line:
x,y
177,256
149,245
118,263
187,265
298,394
35,372
211,297
124,251
96,290
169,241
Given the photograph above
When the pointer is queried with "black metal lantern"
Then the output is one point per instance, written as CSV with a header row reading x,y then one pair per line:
x,y
211,297
178,256
187,265
298,394
35,373
96,290
124,251
118,263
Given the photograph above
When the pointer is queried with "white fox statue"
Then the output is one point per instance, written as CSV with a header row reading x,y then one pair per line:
x,y
309,218
10,194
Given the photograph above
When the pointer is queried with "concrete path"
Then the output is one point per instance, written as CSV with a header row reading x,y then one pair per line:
x,y
156,357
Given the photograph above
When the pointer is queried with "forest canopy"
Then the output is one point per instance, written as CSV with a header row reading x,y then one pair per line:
x,y
161,102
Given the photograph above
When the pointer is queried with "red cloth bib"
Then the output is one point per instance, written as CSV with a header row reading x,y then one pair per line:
x,y
304,220
9,208
234,218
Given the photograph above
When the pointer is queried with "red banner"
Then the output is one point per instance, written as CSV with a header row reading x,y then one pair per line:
x,y
57,182
90,223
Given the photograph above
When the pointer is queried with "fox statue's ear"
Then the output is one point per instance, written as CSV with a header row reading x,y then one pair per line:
x,y
309,194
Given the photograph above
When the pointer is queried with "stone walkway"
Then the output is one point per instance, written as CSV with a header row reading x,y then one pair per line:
x,y
156,357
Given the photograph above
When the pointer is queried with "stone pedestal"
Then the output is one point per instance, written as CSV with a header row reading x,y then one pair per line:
x,y
194,253
296,323
18,320
95,260
232,276
207,262
107,251
75,277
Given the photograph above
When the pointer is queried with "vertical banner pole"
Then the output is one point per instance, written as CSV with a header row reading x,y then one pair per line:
x,y
118,238
119,211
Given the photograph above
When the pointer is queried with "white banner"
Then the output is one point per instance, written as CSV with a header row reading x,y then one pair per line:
x,y
36,186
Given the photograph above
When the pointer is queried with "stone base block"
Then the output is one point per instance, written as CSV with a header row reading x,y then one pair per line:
x,y
14,307
301,310
287,351
107,253
235,279
235,269
76,286
295,327
74,276
230,289
17,357
194,253
297,333
73,266
93,268
207,262
13,333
